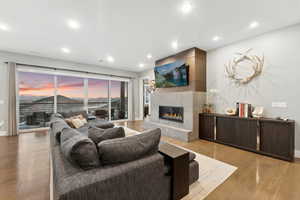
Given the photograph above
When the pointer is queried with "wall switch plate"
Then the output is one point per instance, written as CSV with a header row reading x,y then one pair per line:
x,y
279,104
1,102
213,90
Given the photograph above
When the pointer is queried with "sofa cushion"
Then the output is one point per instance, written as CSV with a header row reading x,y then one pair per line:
x,y
127,149
101,124
79,149
57,125
84,129
193,172
99,135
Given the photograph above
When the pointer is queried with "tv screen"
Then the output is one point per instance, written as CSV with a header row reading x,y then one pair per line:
x,y
171,75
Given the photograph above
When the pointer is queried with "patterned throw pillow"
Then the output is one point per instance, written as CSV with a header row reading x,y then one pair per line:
x,y
77,123
69,122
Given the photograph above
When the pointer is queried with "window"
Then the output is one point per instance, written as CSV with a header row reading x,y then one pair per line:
x,y
70,94
42,93
119,100
98,98
36,99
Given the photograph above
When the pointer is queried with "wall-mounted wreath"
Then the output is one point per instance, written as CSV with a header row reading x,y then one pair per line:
x,y
256,65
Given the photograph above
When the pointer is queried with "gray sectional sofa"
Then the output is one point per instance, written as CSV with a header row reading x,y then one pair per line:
x,y
126,168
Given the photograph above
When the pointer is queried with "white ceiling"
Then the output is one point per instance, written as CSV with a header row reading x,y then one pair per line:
x,y
130,29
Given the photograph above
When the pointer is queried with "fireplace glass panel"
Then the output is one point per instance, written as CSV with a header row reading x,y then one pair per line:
x,y
171,113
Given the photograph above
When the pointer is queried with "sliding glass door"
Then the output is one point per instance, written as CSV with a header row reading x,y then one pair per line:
x,y
119,100
70,94
42,94
98,98
36,99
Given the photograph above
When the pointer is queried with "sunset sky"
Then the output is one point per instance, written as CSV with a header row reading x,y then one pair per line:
x,y
35,84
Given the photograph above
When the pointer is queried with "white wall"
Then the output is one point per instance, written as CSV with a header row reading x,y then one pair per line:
x,y
34,60
3,97
147,74
278,82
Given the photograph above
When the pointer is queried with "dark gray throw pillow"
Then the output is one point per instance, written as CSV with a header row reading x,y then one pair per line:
x,y
99,135
101,124
129,148
79,149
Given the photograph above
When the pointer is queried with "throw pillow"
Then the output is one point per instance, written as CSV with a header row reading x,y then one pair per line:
x,y
84,120
127,149
99,135
77,123
79,149
101,124
69,122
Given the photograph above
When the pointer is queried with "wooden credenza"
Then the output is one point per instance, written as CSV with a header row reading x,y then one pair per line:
x,y
269,137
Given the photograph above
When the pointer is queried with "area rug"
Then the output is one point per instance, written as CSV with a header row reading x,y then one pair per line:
x,y
212,173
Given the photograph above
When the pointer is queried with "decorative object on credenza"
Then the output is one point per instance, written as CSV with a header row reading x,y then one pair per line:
x,y
258,112
208,108
256,64
230,111
283,119
243,109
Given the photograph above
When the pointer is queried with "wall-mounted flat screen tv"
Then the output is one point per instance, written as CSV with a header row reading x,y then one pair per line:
x,y
171,75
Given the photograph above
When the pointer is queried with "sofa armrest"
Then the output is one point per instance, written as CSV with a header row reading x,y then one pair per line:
x,y
139,179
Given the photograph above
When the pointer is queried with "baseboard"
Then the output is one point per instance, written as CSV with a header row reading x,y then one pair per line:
x,y
3,133
297,153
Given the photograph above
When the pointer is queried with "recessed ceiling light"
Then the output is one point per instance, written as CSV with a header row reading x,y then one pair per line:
x,y
186,7
4,27
216,38
174,45
65,50
141,65
110,59
149,56
253,24
73,24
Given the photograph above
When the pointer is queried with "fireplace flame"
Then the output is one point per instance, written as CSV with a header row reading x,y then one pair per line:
x,y
172,116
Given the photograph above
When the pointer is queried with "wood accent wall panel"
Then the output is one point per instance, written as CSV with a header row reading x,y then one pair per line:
x,y
196,59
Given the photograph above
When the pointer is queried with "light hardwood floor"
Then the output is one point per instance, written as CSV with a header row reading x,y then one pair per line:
x,y
24,169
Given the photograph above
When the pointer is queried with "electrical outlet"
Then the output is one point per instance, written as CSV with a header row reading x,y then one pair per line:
x,y
279,104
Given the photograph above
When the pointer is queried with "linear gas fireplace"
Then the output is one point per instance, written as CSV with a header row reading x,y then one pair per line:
x,y
171,113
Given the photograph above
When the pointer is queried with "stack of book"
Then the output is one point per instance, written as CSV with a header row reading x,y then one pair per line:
x,y
244,109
